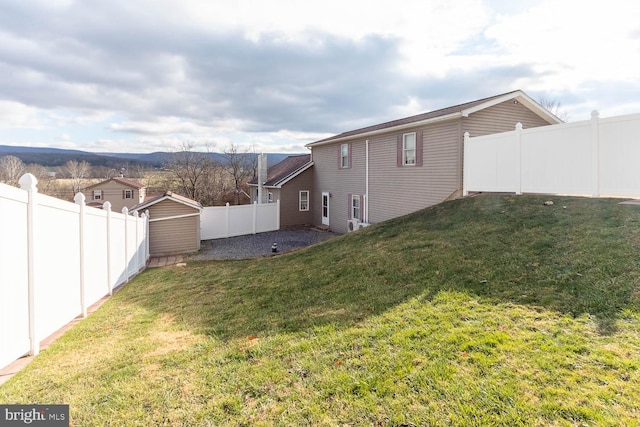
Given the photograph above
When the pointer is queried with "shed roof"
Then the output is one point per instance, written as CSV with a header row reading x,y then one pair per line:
x,y
461,110
167,196
282,172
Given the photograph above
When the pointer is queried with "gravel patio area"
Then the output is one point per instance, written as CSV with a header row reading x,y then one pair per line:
x,y
259,245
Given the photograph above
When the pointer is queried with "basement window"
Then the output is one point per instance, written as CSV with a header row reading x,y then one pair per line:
x,y
355,207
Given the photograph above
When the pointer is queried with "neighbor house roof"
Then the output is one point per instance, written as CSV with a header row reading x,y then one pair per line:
x,y
456,111
125,181
166,196
282,172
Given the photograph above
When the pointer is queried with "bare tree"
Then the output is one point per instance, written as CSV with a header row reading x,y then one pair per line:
x,y
195,175
242,165
77,172
11,169
553,106
46,179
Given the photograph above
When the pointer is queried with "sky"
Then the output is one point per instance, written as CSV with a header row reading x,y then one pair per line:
x,y
141,76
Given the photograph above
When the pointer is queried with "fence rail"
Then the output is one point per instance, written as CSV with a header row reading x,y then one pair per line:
x,y
56,259
597,158
218,222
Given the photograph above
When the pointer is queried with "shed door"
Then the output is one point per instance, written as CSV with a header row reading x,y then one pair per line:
x,y
325,208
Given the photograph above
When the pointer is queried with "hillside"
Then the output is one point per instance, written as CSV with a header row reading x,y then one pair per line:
x,y
54,157
490,310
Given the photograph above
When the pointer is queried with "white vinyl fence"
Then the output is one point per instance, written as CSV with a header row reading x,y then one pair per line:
x,y
597,157
217,222
56,259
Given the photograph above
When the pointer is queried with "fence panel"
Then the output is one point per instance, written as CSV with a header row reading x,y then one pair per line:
x,y
493,168
218,222
96,277
557,159
619,155
54,262
57,255
589,158
14,284
267,217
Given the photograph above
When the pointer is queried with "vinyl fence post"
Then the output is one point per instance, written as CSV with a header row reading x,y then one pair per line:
x,y
278,214
226,219
125,212
465,167
79,199
28,183
255,217
107,207
136,218
518,135
595,153
146,236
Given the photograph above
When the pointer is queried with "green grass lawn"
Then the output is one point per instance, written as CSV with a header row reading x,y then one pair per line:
x,y
492,310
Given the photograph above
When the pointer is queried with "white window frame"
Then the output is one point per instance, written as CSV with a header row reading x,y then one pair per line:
x,y
128,193
303,203
96,195
269,197
355,207
408,152
344,156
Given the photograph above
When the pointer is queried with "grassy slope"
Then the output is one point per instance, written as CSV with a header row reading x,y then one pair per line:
x,y
494,310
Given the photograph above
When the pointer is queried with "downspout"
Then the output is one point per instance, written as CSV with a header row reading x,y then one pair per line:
x,y
366,182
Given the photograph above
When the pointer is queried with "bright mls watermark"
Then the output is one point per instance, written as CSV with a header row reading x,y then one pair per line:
x,y
36,415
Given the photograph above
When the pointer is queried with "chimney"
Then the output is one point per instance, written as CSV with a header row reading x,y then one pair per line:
x,y
262,177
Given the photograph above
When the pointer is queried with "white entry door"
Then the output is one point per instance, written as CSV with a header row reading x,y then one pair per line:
x,y
325,208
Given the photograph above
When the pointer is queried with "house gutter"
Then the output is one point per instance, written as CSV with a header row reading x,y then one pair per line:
x,y
366,182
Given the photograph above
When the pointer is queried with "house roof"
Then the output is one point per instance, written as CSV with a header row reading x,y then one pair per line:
x,y
280,173
125,181
456,111
166,196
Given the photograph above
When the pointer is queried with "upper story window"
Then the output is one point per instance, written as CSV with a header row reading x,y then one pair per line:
x,y
345,156
409,149
304,200
127,194
96,195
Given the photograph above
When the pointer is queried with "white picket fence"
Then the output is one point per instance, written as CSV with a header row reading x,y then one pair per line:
x,y
218,222
597,158
56,259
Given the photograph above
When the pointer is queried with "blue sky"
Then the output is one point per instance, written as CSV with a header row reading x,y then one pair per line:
x,y
148,75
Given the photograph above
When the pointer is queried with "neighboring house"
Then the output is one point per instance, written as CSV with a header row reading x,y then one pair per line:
x,y
174,224
391,169
291,182
120,192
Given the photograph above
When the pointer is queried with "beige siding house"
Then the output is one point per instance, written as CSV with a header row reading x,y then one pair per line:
x,y
289,181
120,192
174,224
391,169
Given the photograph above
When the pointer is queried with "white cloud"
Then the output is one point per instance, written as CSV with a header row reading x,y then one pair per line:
x,y
571,42
18,115
149,74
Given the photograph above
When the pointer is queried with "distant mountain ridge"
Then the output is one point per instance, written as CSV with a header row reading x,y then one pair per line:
x,y
53,157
